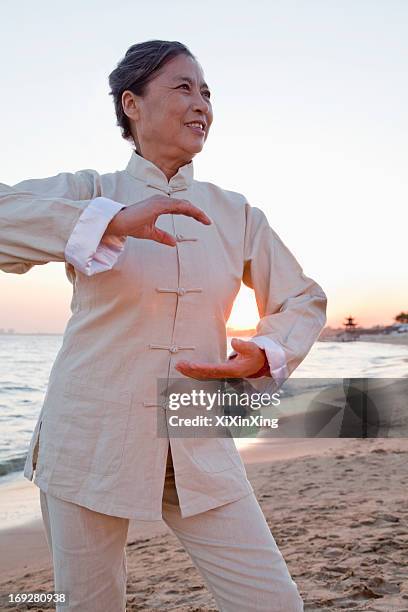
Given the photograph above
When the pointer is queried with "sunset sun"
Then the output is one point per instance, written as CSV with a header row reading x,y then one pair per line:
x,y
244,314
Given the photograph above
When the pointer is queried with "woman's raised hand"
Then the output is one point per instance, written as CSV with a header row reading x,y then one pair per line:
x,y
138,220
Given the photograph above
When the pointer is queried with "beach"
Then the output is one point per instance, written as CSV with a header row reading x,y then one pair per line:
x,y
337,508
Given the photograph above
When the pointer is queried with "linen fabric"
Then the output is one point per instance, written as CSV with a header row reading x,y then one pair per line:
x,y
143,308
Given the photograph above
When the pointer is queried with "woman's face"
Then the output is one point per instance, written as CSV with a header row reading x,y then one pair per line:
x,y
178,95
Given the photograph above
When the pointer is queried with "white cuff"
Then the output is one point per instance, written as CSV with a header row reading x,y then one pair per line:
x,y
85,249
275,355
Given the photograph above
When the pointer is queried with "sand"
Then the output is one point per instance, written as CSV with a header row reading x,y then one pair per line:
x,y
338,509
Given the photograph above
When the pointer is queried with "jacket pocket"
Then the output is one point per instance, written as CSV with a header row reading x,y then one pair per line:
x,y
93,425
212,455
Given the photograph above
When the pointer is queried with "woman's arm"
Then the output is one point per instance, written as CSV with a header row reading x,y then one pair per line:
x,y
57,219
292,310
292,307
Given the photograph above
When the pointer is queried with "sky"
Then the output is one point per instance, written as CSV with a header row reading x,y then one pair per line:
x,y
310,124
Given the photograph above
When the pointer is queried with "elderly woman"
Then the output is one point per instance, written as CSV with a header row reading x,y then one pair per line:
x,y
156,259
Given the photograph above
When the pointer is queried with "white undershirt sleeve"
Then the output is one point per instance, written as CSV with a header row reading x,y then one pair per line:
x,y
85,249
275,356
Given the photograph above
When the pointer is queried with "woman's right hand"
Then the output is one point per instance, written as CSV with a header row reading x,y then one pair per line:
x,y
138,220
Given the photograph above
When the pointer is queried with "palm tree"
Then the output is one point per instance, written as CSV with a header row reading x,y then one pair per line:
x,y
402,317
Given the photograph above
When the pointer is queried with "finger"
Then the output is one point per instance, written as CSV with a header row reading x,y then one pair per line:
x,y
184,207
163,237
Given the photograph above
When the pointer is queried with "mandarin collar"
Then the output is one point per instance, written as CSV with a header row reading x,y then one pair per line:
x,y
149,173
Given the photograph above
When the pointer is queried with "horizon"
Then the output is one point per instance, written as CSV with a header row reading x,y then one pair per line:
x,y
230,330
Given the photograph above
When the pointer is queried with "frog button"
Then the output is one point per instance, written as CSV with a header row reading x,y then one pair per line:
x,y
173,349
181,291
179,237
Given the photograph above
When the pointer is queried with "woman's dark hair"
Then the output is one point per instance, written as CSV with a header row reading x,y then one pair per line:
x,y
137,69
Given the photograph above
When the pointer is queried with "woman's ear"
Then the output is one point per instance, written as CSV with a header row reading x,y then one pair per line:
x,y
131,108
130,105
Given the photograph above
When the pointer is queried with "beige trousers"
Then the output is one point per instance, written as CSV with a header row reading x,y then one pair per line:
x,y
231,546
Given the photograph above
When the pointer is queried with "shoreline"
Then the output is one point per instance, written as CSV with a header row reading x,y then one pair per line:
x,y
397,339
400,339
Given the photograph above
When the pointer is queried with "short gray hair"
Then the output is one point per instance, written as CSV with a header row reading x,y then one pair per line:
x,y
137,69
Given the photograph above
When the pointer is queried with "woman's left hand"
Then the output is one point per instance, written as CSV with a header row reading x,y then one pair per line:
x,y
250,361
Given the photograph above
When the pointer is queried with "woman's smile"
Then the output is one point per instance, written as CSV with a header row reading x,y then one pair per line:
x,y
196,128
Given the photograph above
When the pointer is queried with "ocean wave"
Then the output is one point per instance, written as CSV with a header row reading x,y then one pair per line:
x,y
328,346
8,388
16,464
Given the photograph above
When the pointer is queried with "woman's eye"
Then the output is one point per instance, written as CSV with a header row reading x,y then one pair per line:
x,y
205,92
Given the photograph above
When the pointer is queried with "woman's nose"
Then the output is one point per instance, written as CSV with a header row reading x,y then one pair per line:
x,y
201,104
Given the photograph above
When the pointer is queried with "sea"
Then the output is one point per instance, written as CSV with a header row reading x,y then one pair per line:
x,y
26,361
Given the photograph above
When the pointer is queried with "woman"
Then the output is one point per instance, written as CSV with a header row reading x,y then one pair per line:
x,y
156,259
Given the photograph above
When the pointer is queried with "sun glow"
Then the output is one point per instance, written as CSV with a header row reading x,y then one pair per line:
x,y
244,314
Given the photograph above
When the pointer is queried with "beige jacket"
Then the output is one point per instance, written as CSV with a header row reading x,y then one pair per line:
x,y
95,442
